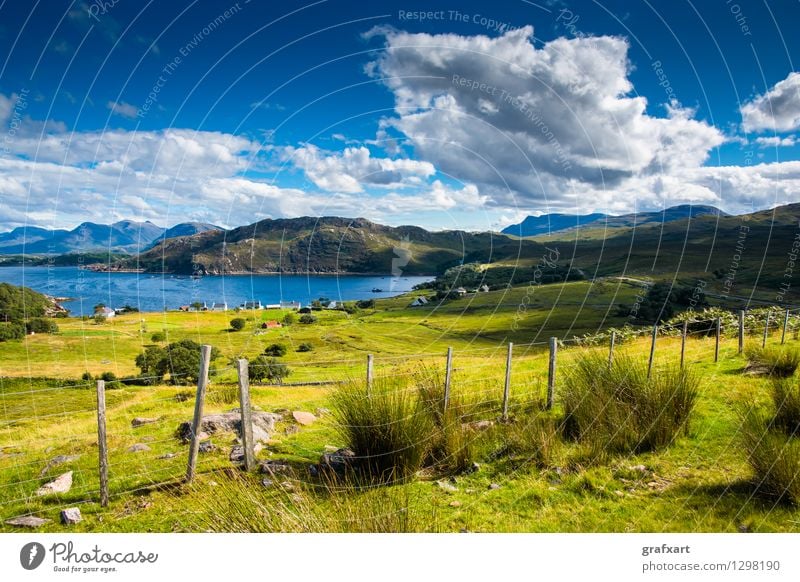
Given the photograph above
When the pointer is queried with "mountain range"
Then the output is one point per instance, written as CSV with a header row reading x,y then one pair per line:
x,y
126,236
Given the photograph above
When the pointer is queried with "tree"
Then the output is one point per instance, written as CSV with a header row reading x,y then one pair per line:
x,y
237,324
153,363
17,303
275,350
41,325
269,369
11,331
196,305
289,319
307,318
159,336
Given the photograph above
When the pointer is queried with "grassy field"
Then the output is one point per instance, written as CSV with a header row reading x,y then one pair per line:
x,y
701,482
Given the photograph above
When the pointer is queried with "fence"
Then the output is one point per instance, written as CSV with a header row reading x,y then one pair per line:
x,y
500,380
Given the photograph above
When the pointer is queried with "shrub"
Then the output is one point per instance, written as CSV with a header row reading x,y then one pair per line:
x,y
158,337
773,360
304,310
181,359
305,347
389,431
535,437
773,456
87,377
786,397
307,318
108,377
275,350
238,323
269,369
365,303
618,408
11,331
289,319
41,325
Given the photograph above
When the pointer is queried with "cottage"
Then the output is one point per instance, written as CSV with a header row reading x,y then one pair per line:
x,y
271,325
106,312
219,306
461,291
332,305
419,301
290,305
252,305
484,289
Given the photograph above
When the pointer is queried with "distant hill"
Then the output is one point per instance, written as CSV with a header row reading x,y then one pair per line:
x,y
126,236
552,223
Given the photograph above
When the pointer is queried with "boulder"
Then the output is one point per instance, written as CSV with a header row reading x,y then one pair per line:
x,y
339,462
141,421
59,460
27,521
138,448
206,447
60,484
71,516
263,425
303,418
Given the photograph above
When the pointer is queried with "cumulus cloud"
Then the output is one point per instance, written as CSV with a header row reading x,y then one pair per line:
x,y
776,110
776,142
123,109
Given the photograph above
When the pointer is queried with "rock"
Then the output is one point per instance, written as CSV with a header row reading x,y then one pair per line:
x,y
494,487
59,460
274,468
141,421
60,484
478,425
266,483
27,521
313,471
291,429
322,411
206,447
474,468
263,425
237,453
339,462
455,504
638,469
446,486
71,516
166,456
138,448
303,418
331,449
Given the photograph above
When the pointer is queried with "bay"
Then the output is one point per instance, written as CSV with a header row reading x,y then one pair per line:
x,y
158,292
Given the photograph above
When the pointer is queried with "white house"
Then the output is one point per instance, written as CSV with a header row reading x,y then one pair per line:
x,y
290,305
106,312
252,305
332,305
419,301
219,306
461,291
484,289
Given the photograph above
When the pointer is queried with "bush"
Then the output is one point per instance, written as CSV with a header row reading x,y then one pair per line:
x,y
786,397
108,377
307,319
773,456
87,377
620,409
289,319
773,360
389,430
269,369
41,325
238,323
534,437
305,347
365,303
11,331
275,350
181,359
158,337
304,310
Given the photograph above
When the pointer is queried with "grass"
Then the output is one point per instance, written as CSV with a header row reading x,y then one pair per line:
x,y
773,360
786,397
774,457
618,408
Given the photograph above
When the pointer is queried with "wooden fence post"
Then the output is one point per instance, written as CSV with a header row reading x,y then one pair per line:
x,y
447,375
716,340
741,330
369,374
247,417
652,350
785,325
683,340
611,347
507,387
102,445
766,331
197,421
551,374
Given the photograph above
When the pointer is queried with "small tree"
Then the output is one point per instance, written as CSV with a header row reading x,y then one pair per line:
x,y
41,325
275,350
238,323
159,336
269,369
196,305
153,363
289,319
307,318
305,347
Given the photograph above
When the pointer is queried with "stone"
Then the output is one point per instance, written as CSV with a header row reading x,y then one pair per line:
x,y
331,449
287,486
447,486
206,447
27,521
322,411
60,484
237,452
455,504
639,469
274,468
141,421
303,418
71,516
313,471
138,448
59,460
338,462
291,429
263,425
266,483
478,425
474,468
166,456
494,487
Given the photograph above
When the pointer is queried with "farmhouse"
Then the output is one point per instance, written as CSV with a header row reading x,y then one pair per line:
x,y
219,306
419,301
252,305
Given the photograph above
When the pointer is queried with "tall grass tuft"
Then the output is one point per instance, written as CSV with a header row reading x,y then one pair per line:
x,y
773,360
389,430
786,396
774,457
618,408
533,437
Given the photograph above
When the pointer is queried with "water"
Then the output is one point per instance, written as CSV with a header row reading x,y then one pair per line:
x,y
158,292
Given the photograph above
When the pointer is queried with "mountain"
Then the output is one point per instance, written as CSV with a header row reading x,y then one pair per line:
x,y
552,223
126,236
184,229
325,245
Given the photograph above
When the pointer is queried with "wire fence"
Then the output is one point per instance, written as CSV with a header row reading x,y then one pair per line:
x,y
90,442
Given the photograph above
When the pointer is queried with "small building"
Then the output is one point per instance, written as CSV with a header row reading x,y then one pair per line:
x,y
290,305
272,306
484,288
271,325
252,305
219,306
106,312
461,291
332,305
419,301
184,307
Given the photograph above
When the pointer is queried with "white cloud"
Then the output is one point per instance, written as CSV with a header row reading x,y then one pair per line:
x,y
776,110
776,142
123,109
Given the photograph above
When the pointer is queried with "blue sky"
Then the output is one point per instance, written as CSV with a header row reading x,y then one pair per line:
x,y
446,115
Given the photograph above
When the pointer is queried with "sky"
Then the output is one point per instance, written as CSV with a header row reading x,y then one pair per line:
x,y
468,115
